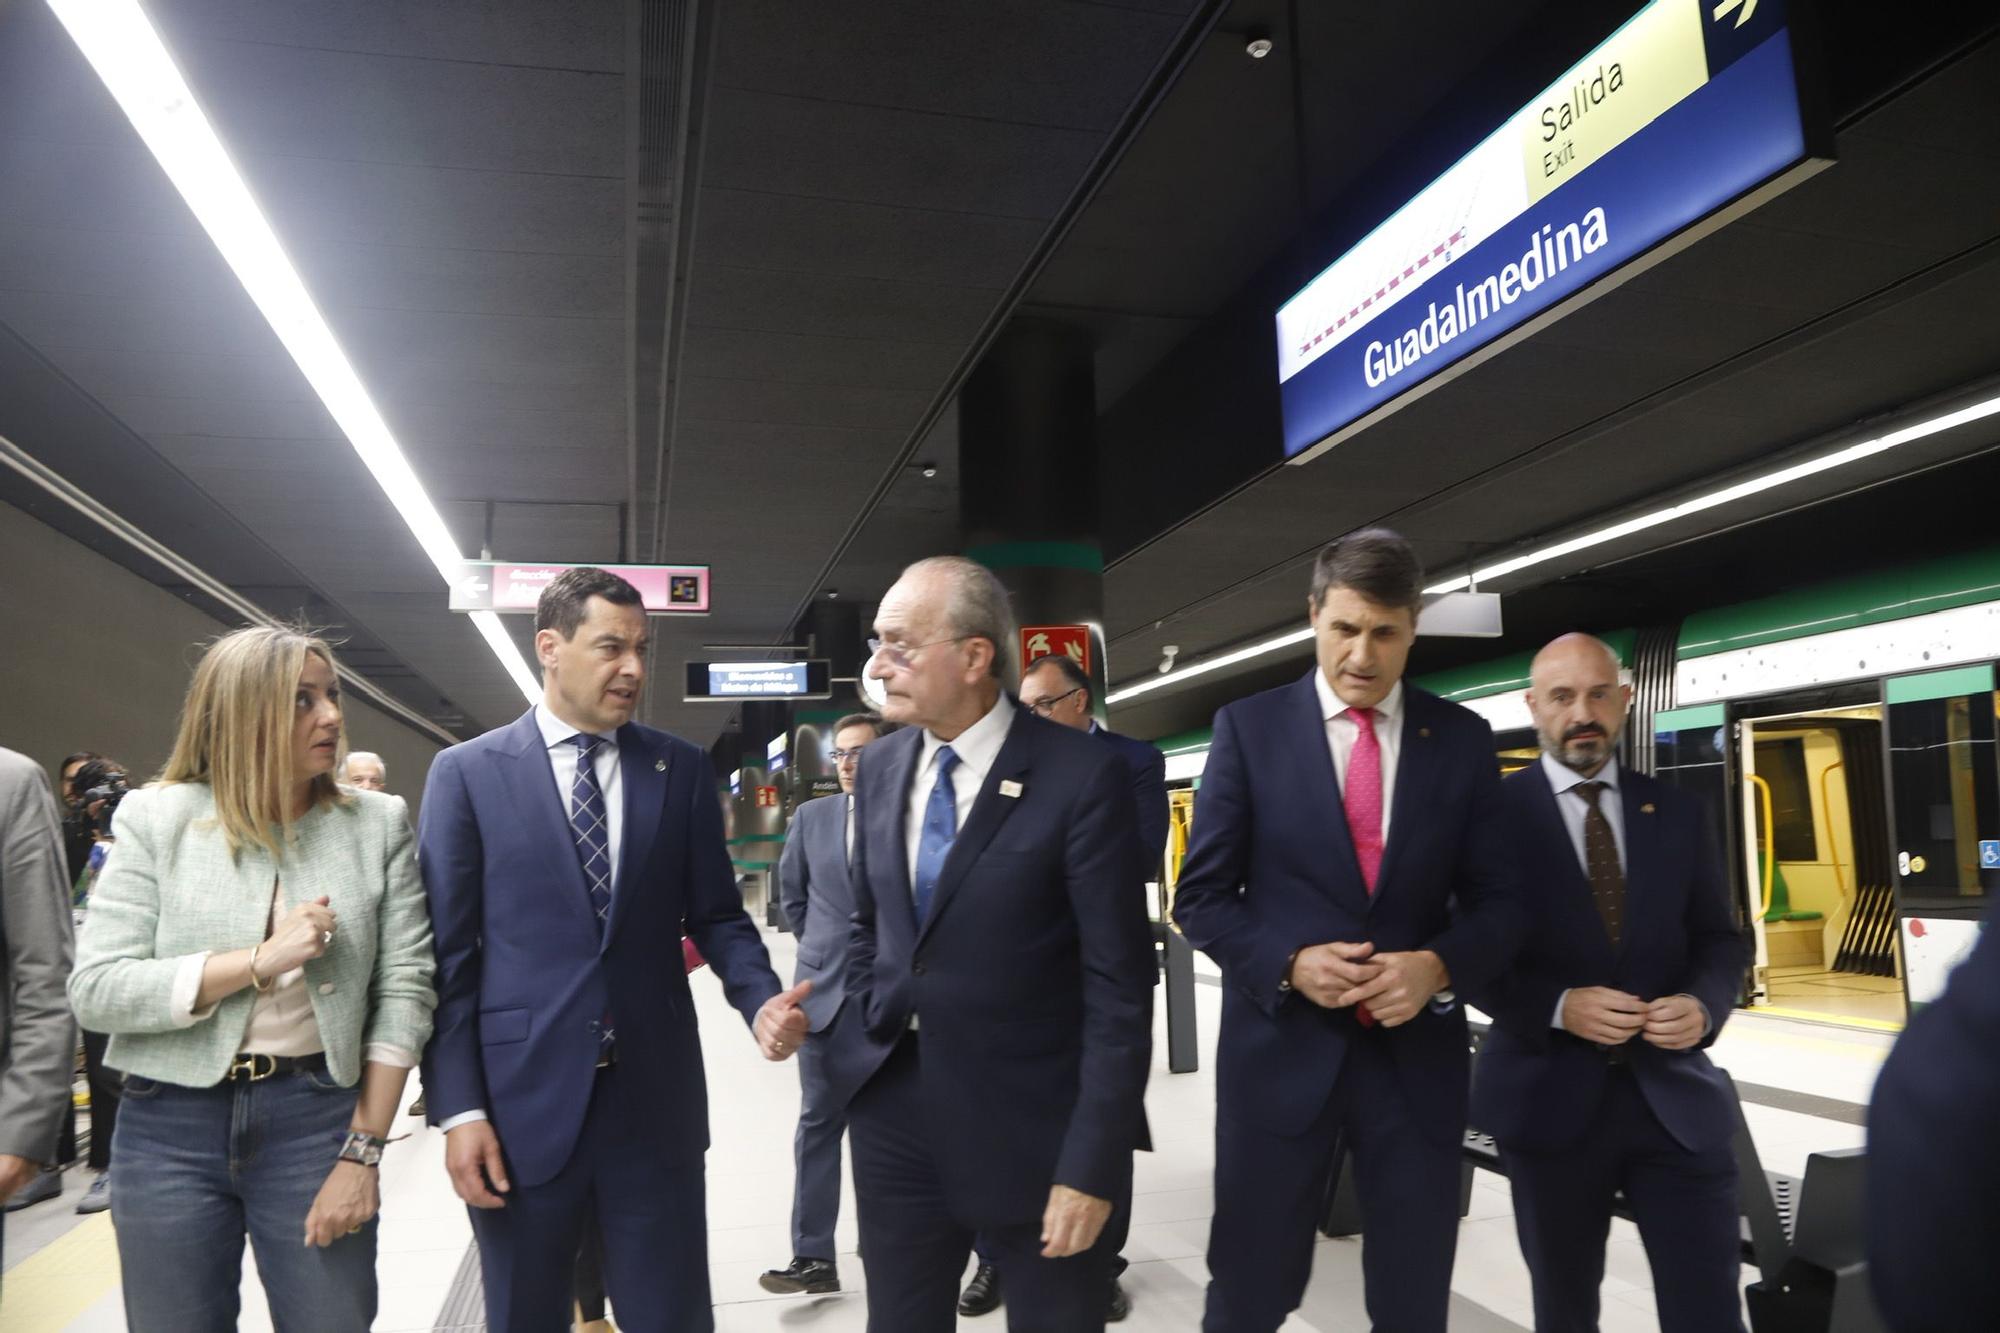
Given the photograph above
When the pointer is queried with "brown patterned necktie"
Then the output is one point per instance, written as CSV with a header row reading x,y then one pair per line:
x,y
1600,855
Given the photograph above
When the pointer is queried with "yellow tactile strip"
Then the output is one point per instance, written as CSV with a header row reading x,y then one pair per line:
x,y
50,1288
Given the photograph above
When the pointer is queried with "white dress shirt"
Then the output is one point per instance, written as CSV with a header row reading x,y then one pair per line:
x,y
556,734
1575,808
976,747
1342,731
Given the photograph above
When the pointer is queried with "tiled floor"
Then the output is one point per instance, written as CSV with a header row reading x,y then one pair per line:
x,y
69,1270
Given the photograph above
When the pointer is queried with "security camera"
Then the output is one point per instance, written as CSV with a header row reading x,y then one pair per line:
x,y
1167,655
1257,47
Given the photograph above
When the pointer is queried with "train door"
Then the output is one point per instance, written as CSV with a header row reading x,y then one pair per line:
x,y
1691,751
1816,863
1944,789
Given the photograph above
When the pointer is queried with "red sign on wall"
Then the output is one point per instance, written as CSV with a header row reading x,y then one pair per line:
x,y
1072,641
767,798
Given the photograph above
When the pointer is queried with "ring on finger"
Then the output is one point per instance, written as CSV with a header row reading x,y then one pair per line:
x,y
325,938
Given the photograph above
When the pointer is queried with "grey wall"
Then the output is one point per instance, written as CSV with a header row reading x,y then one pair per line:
x,y
93,657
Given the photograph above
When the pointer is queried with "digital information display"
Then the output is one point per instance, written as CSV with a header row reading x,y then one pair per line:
x,y
1688,114
726,681
496,585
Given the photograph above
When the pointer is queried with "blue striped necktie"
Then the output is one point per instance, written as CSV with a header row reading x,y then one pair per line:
x,y
589,825
939,832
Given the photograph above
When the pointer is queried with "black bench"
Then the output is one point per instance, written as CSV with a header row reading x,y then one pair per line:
x,y
1811,1269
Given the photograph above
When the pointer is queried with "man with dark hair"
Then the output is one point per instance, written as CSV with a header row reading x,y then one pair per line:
x,y
818,902
1595,1079
37,1036
1004,962
1349,869
561,854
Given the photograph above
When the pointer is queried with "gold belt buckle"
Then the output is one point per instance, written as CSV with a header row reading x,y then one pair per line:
x,y
246,1066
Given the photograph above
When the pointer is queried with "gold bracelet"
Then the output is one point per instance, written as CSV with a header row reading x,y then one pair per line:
x,y
261,987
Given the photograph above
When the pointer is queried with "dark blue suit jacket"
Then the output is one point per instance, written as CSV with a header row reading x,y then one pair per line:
x,y
1538,1086
1148,769
1032,978
1270,869
523,981
1934,1159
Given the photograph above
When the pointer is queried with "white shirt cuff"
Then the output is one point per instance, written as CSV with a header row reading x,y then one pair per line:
x,y
381,1053
1556,1018
186,990
462,1118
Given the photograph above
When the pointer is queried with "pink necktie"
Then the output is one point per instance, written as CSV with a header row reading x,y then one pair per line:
x,y
1363,797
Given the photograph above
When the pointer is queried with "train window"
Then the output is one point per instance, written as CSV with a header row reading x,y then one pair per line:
x,y
1946,796
1782,763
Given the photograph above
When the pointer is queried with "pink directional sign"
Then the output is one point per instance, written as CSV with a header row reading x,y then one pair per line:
x,y
496,585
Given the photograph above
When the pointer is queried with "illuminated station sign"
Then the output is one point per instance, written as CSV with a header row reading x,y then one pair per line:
x,y
1684,119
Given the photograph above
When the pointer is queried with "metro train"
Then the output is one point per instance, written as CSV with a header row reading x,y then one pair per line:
x,y
1844,736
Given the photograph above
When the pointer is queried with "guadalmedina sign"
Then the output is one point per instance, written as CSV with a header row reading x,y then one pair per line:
x,y
1684,119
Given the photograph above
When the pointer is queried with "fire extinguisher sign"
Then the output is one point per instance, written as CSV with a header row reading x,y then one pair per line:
x,y
1071,641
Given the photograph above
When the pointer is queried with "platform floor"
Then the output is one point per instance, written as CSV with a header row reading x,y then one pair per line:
x,y
1805,1087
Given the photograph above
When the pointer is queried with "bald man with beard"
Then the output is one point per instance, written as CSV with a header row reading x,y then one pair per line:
x,y
1594,1079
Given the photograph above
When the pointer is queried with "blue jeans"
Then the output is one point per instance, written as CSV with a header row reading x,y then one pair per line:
x,y
200,1168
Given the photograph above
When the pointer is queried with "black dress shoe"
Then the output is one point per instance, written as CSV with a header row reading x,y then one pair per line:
x,y
982,1294
1120,1306
812,1277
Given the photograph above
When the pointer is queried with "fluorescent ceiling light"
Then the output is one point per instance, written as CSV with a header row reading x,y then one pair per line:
x,y
122,45
1724,495
1208,664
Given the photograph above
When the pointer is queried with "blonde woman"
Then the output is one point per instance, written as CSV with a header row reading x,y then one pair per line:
x,y
259,950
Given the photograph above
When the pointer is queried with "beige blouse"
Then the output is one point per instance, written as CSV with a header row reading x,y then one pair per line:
x,y
281,1019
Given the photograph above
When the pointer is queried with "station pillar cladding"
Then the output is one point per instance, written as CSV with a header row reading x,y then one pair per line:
x,y
1028,493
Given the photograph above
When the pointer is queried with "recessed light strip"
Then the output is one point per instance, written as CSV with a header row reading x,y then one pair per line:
x,y
1624,528
121,44
1741,490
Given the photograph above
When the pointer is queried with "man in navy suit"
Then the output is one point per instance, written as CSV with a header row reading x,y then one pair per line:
x,y
818,903
1934,1160
1003,951
1057,688
1594,1079
1348,870
562,855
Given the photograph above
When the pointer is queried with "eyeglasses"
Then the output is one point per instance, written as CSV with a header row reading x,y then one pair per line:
x,y
901,655
842,756
1047,707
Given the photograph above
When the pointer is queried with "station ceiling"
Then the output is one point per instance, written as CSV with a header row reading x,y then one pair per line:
x,y
696,281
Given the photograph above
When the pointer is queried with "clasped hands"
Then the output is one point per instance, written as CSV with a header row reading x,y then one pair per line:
x,y
1394,986
1610,1017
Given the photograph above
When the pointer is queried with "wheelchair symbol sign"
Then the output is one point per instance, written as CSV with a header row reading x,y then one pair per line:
x,y
1989,854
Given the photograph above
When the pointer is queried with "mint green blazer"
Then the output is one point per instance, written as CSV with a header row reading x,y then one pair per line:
x,y
170,888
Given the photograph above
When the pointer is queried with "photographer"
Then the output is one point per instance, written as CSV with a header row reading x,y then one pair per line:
x,y
99,785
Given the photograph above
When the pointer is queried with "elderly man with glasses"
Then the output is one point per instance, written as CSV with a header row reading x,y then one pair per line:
x,y
1057,687
1004,959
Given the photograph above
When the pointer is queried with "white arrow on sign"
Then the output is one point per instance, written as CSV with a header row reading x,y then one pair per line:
x,y
1723,10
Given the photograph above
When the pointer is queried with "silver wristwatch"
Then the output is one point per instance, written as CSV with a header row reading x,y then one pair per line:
x,y
363,1149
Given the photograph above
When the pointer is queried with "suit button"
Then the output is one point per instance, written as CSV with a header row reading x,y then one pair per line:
x,y
917,969
326,988
594,1025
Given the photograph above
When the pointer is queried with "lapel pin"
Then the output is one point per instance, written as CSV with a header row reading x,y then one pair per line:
x,y
1646,809
1010,788
1424,732
659,765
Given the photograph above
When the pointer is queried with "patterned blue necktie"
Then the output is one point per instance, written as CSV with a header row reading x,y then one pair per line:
x,y
939,832
590,827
